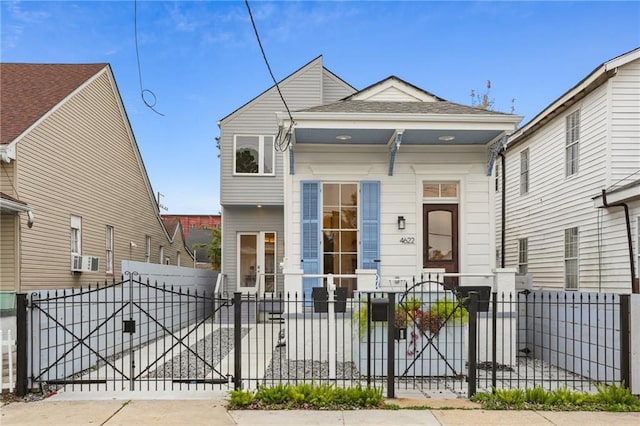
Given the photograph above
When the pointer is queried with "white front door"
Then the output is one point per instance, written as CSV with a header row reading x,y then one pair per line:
x,y
256,262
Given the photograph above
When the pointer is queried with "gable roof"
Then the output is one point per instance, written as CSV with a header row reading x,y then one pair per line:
x,y
592,81
393,95
399,84
311,62
29,91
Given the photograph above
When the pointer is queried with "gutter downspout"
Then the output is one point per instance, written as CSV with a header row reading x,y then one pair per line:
x,y
634,284
503,224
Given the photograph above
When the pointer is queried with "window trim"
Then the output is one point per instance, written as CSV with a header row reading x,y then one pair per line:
x,y
357,230
524,174
147,249
523,256
75,224
109,236
576,258
261,153
569,143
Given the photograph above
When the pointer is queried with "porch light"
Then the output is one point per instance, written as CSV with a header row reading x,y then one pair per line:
x,y
446,138
402,223
343,137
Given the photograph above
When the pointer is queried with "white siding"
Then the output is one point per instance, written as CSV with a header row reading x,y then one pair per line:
x,y
555,202
401,195
625,124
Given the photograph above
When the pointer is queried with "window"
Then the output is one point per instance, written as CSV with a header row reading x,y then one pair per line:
x,y
340,231
571,258
147,249
523,255
109,249
76,235
167,260
440,190
524,172
178,259
571,144
253,155
161,256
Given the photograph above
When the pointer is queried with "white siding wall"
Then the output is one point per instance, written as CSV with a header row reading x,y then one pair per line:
x,y
401,195
556,202
624,93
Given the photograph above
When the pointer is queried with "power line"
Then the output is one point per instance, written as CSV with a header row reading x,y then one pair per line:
x,y
151,104
282,139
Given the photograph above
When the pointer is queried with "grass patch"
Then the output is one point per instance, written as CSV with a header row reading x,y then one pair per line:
x,y
307,396
608,398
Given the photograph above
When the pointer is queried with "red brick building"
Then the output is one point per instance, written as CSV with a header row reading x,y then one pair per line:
x,y
195,221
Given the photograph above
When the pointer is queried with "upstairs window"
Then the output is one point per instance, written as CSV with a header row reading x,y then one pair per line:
x,y
572,141
76,235
524,172
253,155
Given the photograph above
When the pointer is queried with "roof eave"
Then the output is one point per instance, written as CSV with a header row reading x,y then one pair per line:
x,y
405,121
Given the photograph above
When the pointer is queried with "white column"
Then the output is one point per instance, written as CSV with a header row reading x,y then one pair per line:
x,y
331,333
293,290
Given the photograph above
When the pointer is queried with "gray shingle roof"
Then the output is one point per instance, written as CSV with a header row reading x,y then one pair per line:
x,y
376,107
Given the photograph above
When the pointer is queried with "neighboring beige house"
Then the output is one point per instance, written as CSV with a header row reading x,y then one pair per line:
x,y
570,172
76,199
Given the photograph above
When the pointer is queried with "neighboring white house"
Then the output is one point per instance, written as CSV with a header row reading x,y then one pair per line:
x,y
563,168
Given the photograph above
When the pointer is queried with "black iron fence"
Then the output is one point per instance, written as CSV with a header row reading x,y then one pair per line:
x,y
137,336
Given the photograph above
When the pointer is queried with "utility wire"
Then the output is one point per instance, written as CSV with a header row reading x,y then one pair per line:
x,y
151,105
282,139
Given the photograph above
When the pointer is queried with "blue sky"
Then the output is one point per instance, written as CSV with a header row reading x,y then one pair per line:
x,y
202,61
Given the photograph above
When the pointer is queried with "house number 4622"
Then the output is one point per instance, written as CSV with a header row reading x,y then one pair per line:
x,y
408,240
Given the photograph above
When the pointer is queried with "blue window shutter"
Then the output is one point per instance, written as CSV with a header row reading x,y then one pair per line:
x,y
370,224
310,235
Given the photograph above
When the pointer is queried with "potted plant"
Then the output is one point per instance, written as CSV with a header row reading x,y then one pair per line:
x,y
430,339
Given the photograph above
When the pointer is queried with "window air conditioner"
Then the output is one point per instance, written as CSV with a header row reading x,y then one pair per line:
x,y
84,263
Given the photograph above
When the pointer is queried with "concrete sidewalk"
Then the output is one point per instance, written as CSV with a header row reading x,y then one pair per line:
x,y
52,412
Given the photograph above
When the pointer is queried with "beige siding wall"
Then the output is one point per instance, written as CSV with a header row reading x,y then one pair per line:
x,y
81,161
625,124
8,252
555,203
401,195
8,178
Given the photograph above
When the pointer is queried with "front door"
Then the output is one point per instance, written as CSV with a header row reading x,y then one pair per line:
x,y
257,262
441,238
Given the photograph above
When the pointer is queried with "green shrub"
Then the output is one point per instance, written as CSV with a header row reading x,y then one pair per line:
x,y
608,398
308,396
536,395
240,398
613,395
449,311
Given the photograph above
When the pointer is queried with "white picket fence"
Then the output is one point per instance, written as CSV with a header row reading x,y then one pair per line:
x,y
7,348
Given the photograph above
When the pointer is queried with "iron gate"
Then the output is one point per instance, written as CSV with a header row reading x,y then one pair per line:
x,y
130,335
